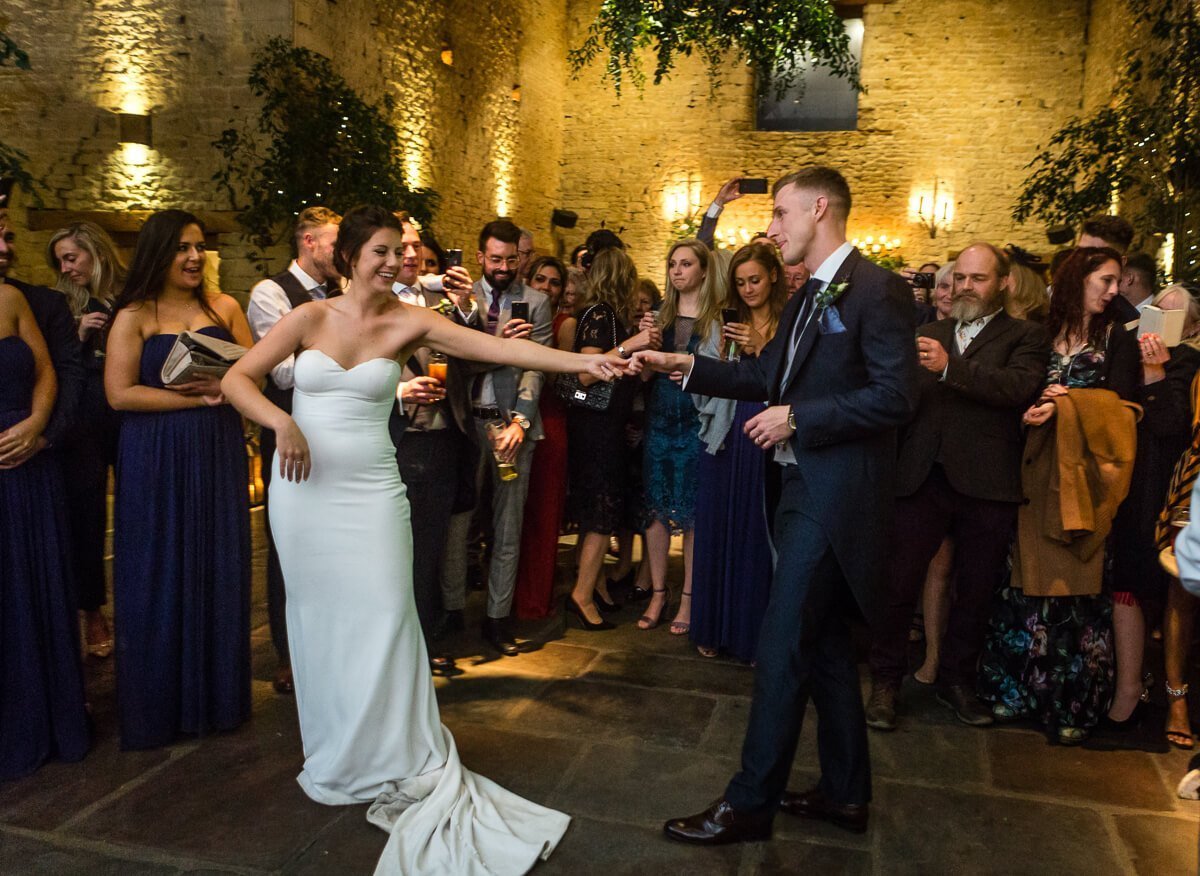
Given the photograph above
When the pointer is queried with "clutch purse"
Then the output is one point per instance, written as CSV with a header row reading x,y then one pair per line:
x,y
570,390
195,355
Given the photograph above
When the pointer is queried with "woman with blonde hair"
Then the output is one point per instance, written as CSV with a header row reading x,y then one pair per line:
x,y
1025,297
597,450
690,311
90,273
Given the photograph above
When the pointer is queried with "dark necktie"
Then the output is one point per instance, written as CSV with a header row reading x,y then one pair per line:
x,y
493,314
811,288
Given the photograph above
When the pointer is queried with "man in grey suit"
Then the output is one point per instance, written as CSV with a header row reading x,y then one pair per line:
x,y
508,396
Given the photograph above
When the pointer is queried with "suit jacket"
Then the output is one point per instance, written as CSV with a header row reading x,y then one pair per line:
x,y
850,391
53,317
518,390
457,405
971,421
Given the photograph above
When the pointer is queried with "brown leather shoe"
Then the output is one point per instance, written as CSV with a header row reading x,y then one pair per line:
x,y
814,804
881,707
718,825
283,681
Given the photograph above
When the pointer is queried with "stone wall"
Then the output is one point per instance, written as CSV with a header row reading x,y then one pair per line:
x,y
962,92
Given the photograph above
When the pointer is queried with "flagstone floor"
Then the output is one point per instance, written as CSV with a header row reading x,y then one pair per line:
x,y
620,729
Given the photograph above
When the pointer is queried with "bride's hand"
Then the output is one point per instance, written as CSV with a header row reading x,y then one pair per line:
x,y
295,463
607,366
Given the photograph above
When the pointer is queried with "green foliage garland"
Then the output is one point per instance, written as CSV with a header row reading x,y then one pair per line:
x,y
775,37
316,141
13,160
1145,145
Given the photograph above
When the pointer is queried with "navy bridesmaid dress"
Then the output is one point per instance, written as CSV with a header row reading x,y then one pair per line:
x,y
181,568
42,713
733,563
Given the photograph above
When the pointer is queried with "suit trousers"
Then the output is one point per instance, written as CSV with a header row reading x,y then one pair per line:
x,y
804,652
276,593
982,532
508,513
425,460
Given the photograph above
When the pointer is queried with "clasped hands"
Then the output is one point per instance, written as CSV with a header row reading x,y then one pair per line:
x,y
19,443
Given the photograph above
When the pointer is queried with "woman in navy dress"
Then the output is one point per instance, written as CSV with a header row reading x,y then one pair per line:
x,y
733,561
41,685
90,273
672,443
181,566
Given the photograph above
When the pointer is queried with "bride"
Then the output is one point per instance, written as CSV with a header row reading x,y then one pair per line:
x,y
368,715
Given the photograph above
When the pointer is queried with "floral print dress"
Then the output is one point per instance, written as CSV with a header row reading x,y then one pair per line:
x,y
1051,658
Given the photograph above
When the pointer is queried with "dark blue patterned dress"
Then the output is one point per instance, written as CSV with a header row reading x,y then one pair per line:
x,y
1051,658
181,568
41,683
671,447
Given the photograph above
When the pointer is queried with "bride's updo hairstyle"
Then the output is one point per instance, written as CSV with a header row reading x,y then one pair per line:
x,y
358,226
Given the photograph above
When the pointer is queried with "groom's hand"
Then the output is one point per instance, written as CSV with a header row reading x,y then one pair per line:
x,y
665,363
770,428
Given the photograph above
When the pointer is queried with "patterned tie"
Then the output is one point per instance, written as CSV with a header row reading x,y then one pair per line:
x,y
493,314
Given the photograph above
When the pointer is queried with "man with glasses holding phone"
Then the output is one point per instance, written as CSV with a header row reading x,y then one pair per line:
x,y
507,398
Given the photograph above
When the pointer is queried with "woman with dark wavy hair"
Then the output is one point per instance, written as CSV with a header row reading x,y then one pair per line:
x,y
1050,657
181,553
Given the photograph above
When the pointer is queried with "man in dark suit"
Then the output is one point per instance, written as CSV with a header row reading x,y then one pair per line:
x,y
839,378
959,476
53,318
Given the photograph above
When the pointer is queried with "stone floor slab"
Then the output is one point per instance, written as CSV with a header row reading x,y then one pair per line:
x,y
675,673
924,830
1161,845
597,848
26,856
351,845
530,765
490,698
620,713
551,660
1026,763
788,858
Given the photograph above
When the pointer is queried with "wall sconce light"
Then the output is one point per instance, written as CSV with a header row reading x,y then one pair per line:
x,y
516,92
135,128
560,218
447,55
932,210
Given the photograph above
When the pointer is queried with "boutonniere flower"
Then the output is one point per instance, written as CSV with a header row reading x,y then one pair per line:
x,y
445,307
830,294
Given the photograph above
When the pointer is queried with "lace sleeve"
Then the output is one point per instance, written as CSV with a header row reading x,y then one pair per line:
x,y
596,329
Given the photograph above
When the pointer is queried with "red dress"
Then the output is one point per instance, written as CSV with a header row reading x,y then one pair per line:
x,y
544,505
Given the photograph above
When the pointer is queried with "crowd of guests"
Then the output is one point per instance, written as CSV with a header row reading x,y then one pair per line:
x,y
1041,481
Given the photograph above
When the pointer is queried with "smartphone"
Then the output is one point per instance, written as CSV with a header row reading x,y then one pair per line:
x,y
753,185
454,258
520,310
922,281
729,314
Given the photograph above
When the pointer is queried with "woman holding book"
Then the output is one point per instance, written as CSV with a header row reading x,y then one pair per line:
x,y
181,566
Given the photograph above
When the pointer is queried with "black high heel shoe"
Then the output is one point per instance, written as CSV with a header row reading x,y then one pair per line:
x,y
605,606
572,608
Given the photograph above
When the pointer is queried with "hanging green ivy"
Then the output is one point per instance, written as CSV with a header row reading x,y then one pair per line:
x,y
777,38
12,160
315,141
1143,145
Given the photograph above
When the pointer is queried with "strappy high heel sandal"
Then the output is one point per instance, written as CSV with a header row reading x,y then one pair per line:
x,y
649,622
678,627
1178,738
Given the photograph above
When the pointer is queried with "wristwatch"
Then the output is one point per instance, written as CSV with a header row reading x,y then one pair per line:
x,y
622,352
522,421
791,419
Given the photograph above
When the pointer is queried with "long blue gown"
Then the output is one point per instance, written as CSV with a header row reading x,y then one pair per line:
x,y
732,567
41,682
181,568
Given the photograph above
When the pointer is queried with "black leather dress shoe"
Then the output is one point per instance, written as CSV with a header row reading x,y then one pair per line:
x,y
450,622
719,825
814,804
497,634
961,699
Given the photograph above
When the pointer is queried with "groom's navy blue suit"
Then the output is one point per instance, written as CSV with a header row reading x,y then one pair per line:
x,y
850,389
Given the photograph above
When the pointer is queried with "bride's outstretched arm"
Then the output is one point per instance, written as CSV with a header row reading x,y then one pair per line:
x,y
463,343
241,383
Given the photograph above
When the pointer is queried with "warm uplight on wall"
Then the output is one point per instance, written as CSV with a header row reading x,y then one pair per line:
x,y
879,244
932,207
681,197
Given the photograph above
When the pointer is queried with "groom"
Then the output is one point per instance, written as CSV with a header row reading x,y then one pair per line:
x,y
839,377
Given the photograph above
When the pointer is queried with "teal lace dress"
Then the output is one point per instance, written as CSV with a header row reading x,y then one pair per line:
x,y
1051,658
671,447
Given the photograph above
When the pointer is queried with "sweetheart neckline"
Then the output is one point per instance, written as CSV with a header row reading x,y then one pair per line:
x,y
342,367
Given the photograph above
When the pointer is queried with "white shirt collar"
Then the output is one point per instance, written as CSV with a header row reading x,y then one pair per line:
x,y
300,274
829,268
1144,304
979,322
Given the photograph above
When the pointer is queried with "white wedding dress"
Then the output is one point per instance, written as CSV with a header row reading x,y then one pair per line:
x,y
368,715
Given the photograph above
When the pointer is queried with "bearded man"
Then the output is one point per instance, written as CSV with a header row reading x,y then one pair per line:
x,y
959,476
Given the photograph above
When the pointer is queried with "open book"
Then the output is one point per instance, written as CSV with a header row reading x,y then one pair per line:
x,y
195,355
1167,324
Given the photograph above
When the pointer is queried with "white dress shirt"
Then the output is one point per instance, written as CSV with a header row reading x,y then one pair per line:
x,y
269,304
